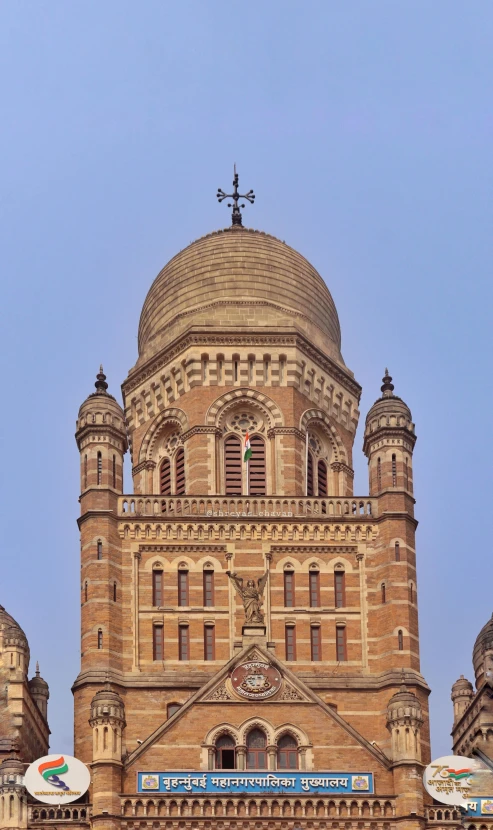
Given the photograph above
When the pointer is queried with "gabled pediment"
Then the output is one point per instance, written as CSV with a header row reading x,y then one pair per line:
x,y
255,674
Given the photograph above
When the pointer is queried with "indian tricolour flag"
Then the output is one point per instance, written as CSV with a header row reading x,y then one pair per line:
x,y
248,449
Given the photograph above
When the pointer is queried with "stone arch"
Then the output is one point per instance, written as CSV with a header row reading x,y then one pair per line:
x,y
253,397
223,729
168,417
296,732
320,419
256,723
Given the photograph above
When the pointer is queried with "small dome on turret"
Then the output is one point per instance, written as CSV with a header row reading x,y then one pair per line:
x,y
107,703
11,772
389,410
100,407
12,635
482,655
404,704
462,685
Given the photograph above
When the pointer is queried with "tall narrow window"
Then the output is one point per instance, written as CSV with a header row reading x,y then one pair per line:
x,y
85,472
251,368
266,369
157,587
289,589
384,593
183,642
290,634
394,470
114,471
309,475
100,468
397,552
322,478
236,368
225,752
232,465
287,753
208,589
315,643
256,467
220,360
209,644
282,370
85,591
400,640
379,475
256,749
180,472
341,647
157,642
114,592
406,474
314,583
340,588
411,594
100,638
165,477
205,367
183,588
100,549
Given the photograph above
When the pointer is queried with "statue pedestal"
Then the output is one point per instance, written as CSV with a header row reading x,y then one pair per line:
x,y
253,630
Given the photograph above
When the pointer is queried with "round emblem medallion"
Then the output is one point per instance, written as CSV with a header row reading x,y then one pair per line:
x,y
255,680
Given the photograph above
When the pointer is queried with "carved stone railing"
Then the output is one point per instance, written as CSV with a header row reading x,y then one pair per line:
x,y
249,508
75,813
441,815
173,805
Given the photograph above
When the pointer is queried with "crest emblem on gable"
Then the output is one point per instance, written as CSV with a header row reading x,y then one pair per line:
x,y
256,680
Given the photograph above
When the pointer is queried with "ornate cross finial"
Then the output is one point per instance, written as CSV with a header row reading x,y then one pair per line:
x,y
235,196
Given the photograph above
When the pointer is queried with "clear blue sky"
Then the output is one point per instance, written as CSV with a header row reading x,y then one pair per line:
x,y
366,130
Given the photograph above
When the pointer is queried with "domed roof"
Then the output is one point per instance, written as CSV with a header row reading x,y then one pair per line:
x,y
255,281
9,627
484,642
462,686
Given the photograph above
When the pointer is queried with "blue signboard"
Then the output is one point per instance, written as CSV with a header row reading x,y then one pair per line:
x,y
479,807
236,781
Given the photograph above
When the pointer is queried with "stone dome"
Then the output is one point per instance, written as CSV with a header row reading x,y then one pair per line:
x,y
10,631
483,644
107,703
100,407
388,410
462,686
11,772
234,279
403,706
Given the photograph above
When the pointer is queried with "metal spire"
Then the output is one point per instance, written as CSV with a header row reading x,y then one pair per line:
x,y
235,196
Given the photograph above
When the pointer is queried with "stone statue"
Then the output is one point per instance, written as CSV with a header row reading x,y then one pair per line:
x,y
251,595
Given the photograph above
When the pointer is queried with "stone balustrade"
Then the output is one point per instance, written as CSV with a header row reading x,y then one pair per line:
x,y
79,813
250,508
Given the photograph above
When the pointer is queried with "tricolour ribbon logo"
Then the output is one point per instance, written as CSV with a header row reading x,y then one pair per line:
x,y
457,774
51,771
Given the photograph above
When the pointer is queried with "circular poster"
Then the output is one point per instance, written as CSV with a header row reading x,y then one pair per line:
x,y
256,680
57,779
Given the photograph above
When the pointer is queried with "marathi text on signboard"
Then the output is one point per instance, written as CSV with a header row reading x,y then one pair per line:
x,y
255,782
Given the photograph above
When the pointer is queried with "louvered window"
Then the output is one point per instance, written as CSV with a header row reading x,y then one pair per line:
x,y
340,588
256,467
157,588
208,589
314,577
233,464
180,472
209,644
290,635
341,647
100,468
100,638
157,643
315,643
309,475
379,475
289,589
183,588
183,642
322,478
165,477
394,471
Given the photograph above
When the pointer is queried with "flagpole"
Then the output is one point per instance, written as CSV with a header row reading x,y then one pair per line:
x,y
248,478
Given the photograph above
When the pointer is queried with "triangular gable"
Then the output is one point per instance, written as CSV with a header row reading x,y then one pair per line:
x,y
294,690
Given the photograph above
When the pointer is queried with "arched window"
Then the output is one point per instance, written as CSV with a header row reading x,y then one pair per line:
x,y
208,588
100,638
114,471
339,589
288,588
400,640
100,549
165,477
322,478
157,587
411,593
287,753
225,753
379,475
256,749
314,586
180,472
232,465
172,708
384,598
309,475
397,552
394,471
100,468
256,467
